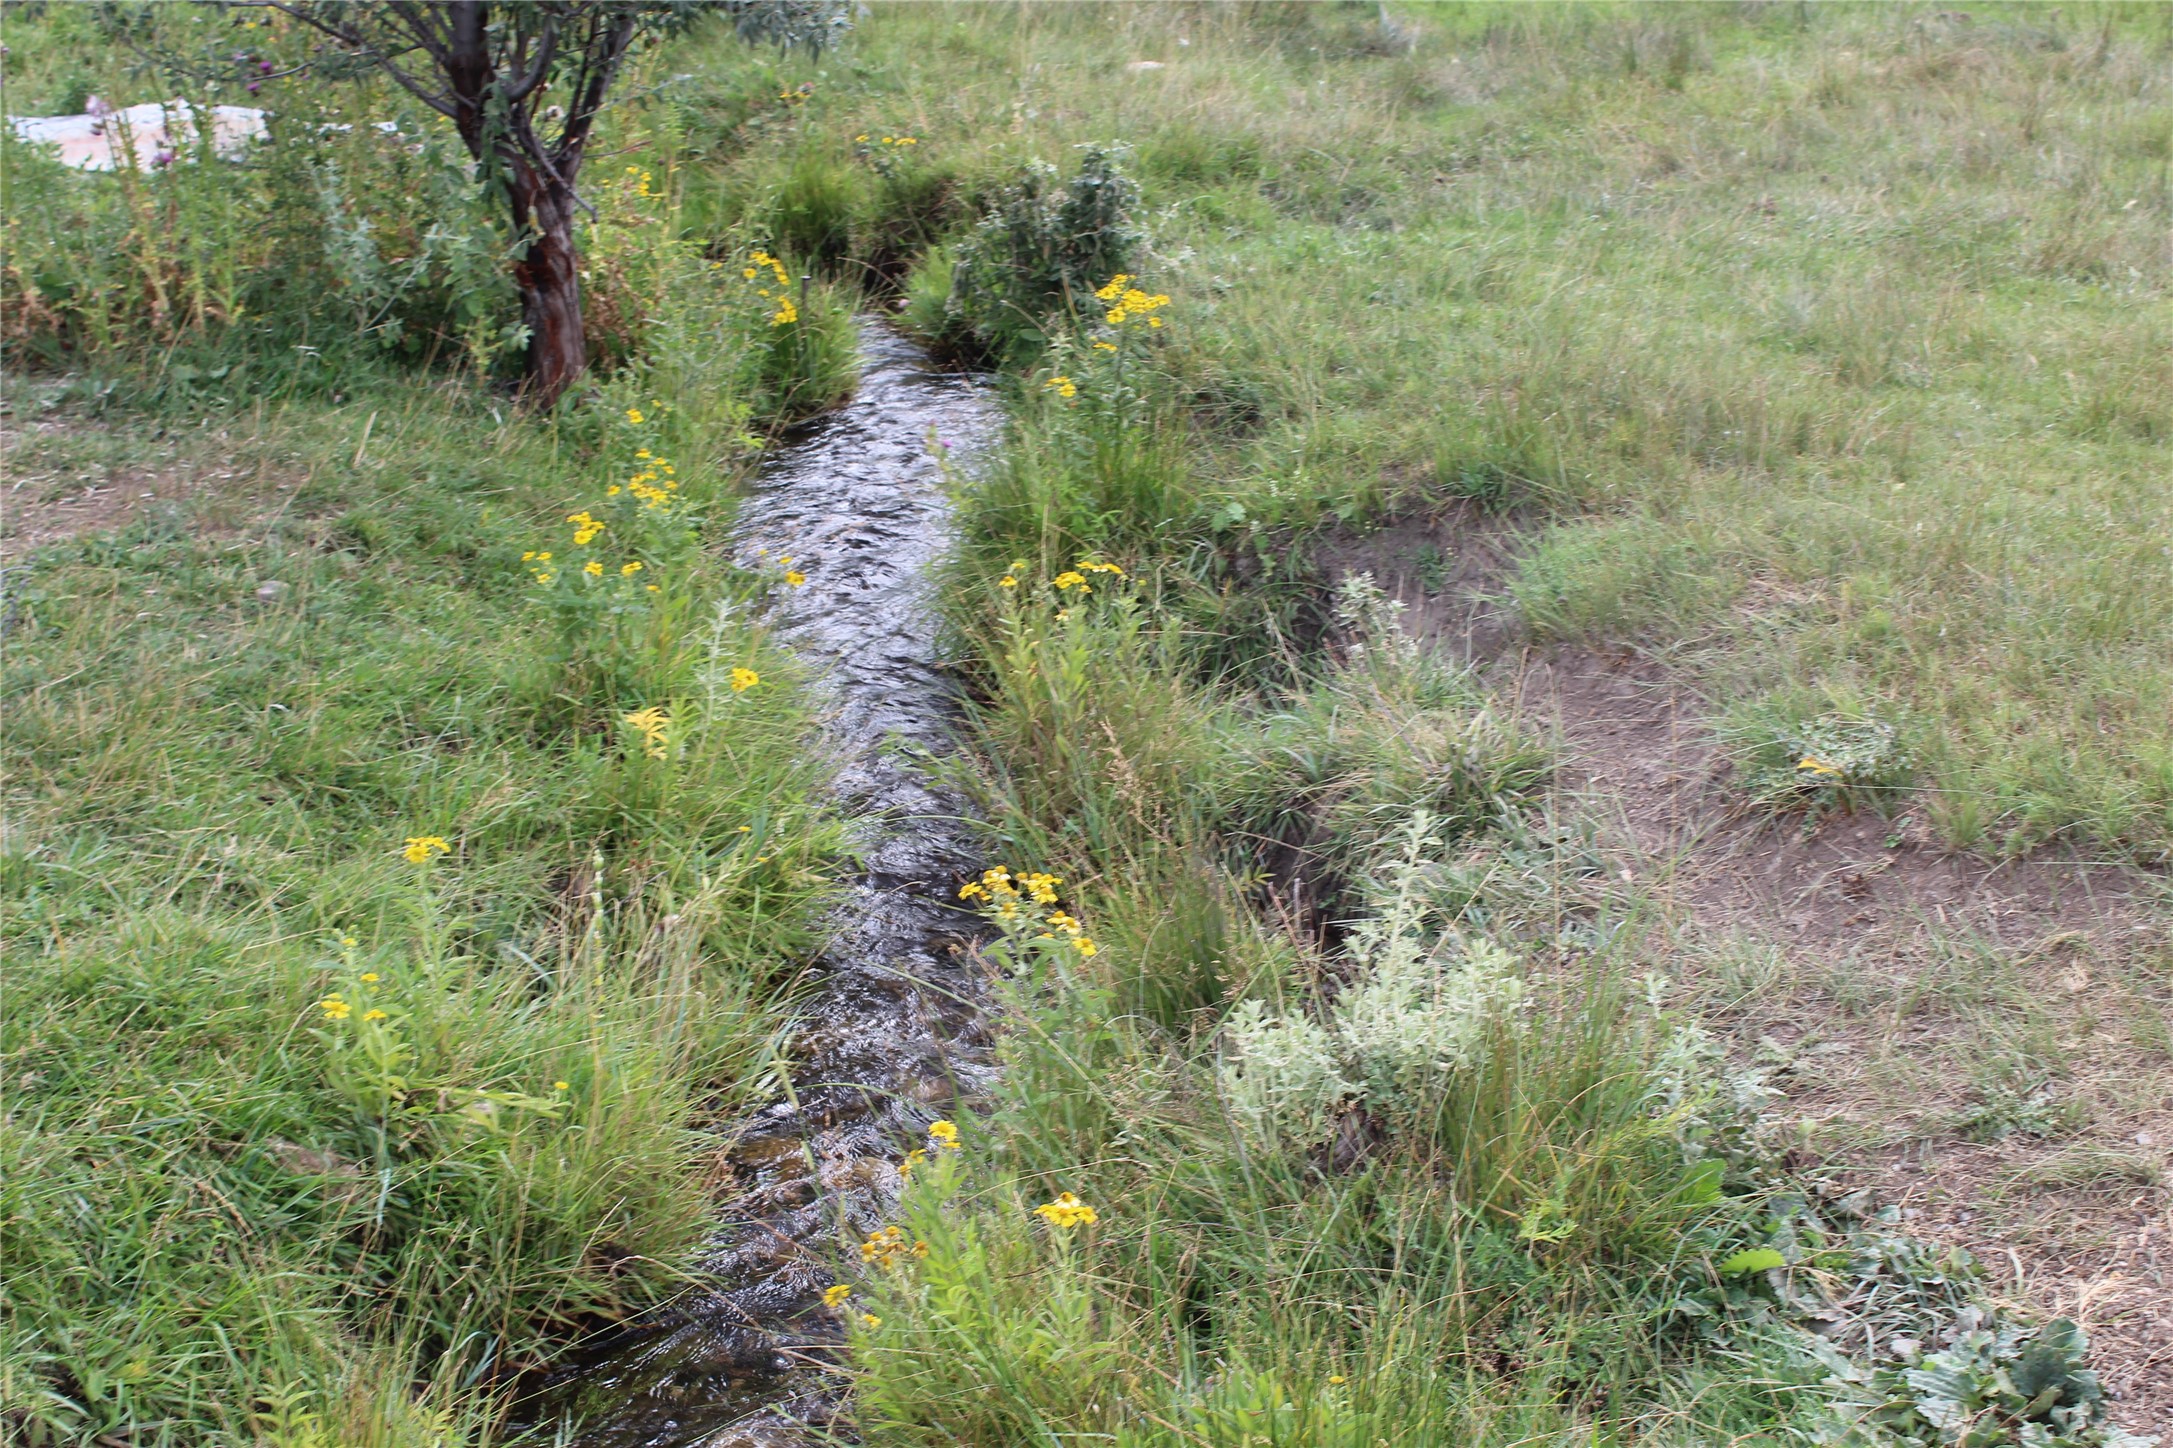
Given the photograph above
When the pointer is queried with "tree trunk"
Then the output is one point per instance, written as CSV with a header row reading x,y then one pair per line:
x,y
549,276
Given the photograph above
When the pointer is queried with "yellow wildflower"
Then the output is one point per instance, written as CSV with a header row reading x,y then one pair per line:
x,y
593,569
744,679
335,1008
834,1295
633,415
1816,765
944,1134
558,1086
888,1246
1007,581
794,578
1336,1380
870,1321
1105,346
913,1159
1067,1211
373,1014
1064,386
628,570
1087,947
1071,579
654,726
420,848
370,977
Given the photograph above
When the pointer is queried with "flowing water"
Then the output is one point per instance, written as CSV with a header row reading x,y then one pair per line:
x,y
890,1035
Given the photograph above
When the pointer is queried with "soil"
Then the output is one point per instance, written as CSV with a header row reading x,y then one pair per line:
x,y
1984,1043
40,506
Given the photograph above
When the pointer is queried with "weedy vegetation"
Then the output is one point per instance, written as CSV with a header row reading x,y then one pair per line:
x,y
404,860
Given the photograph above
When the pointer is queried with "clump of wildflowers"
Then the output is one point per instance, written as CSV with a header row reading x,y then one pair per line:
x,y
883,153
1128,305
1023,905
422,849
1066,1212
889,1247
601,579
764,271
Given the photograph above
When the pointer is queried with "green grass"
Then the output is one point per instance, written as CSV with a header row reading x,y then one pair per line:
x,y
1823,346
1832,338
226,1209
1750,310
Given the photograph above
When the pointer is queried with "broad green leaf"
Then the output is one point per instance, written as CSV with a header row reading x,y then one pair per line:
x,y
1753,1259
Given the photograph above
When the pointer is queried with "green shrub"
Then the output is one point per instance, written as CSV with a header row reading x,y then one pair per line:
x,y
1040,249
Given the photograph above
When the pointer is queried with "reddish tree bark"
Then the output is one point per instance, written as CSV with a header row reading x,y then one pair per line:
x,y
549,278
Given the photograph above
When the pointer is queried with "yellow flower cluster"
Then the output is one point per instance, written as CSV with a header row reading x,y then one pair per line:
x,y
1128,303
833,1296
641,182
889,1247
653,482
1073,577
1010,897
1063,386
421,849
654,726
744,679
1073,931
334,1008
1003,891
543,575
1067,1211
585,528
862,139
781,299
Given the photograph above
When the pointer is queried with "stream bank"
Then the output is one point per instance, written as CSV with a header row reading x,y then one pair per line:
x,y
889,1034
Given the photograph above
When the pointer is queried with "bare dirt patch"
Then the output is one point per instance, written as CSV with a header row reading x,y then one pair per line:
x,y
1983,1043
1986,1044
68,476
